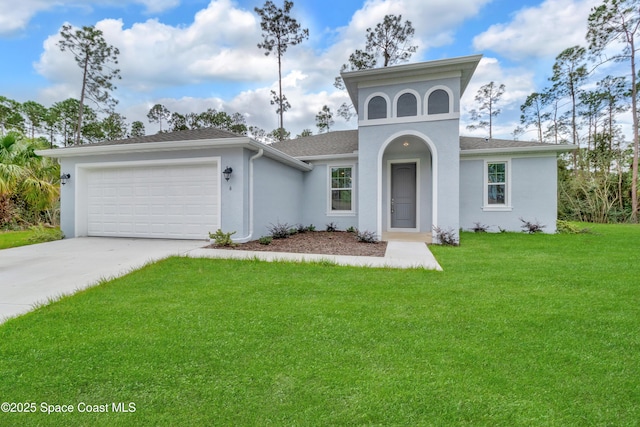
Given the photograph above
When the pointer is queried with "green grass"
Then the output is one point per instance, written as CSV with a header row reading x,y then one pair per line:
x,y
14,239
519,330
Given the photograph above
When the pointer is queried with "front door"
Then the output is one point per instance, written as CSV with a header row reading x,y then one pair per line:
x,y
403,195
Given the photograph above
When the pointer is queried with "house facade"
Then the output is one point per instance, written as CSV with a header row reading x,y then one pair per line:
x,y
405,169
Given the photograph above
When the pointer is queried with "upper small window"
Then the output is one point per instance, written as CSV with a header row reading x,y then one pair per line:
x,y
377,108
438,102
407,105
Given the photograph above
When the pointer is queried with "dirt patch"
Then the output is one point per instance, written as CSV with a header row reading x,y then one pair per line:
x,y
316,242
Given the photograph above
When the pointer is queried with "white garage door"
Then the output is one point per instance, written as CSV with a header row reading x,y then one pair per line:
x,y
168,201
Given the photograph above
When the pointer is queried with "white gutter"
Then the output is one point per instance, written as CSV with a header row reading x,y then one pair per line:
x,y
250,235
506,150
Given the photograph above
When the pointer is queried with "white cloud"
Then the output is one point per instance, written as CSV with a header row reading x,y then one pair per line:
x,y
541,31
16,15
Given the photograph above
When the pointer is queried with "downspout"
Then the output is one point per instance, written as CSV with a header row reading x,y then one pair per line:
x,y
250,235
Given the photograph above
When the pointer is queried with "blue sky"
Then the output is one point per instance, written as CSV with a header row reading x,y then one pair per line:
x,y
191,55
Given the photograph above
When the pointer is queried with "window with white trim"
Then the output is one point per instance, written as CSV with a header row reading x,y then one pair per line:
x,y
341,189
496,182
377,108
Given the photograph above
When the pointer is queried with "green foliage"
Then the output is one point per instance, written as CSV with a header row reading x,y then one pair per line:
x,y
311,227
222,239
324,119
41,233
351,229
487,98
566,227
265,240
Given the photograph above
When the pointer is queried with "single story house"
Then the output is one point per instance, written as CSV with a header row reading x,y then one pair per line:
x,y
405,169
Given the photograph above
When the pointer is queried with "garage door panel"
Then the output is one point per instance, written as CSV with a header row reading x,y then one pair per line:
x,y
174,201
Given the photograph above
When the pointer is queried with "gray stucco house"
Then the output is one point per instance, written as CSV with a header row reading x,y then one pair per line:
x,y
405,169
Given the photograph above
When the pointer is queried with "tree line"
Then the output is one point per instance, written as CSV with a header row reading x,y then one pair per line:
x,y
599,180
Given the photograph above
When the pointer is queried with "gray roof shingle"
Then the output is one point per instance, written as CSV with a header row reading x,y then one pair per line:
x,y
346,142
183,135
337,142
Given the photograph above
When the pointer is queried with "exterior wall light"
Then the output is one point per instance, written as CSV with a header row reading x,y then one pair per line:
x,y
64,178
227,173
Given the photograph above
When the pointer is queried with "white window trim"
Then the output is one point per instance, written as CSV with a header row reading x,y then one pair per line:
x,y
351,212
506,207
369,98
428,94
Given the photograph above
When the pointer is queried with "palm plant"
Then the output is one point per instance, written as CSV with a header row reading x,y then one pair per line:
x,y
29,187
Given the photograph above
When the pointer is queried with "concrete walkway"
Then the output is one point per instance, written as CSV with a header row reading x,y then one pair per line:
x,y
398,255
35,274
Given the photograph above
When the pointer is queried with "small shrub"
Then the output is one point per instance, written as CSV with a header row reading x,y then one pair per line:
x,y
222,239
565,227
502,230
447,236
279,231
479,227
366,236
311,227
301,228
293,231
42,233
351,229
331,227
265,240
531,227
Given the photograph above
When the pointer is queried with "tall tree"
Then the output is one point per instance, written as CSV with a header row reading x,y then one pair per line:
x,y
158,113
391,40
616,22
279,31
533,112
96,58
178,122
487,96
569,73
114,126
324,119
137,129
10,117
35,114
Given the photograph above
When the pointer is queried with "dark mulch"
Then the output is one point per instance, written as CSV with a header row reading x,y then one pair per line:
x,y
316,242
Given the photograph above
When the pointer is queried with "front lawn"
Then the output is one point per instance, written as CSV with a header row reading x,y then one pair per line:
x,y
37,234
518,330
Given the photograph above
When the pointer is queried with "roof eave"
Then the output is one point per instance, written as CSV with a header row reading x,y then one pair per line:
x,y
564,148
198,144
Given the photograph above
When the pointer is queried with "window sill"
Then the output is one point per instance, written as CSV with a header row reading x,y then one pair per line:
x,y
497,208
346,213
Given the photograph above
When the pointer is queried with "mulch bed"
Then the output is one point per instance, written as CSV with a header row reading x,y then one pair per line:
x,y
316,242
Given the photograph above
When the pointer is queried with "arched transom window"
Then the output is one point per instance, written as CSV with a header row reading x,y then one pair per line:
x,y
407,105
377,108
438,102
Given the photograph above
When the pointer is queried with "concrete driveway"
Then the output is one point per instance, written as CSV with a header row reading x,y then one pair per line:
x,y
33,274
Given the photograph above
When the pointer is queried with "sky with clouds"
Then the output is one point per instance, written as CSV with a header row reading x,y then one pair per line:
x,y
190,55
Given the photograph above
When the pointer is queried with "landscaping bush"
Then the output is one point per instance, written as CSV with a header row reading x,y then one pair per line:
x,y
479,227
331,227
43,233
446,237
366,236
565,227
531,227
265,240
279,231
222,239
